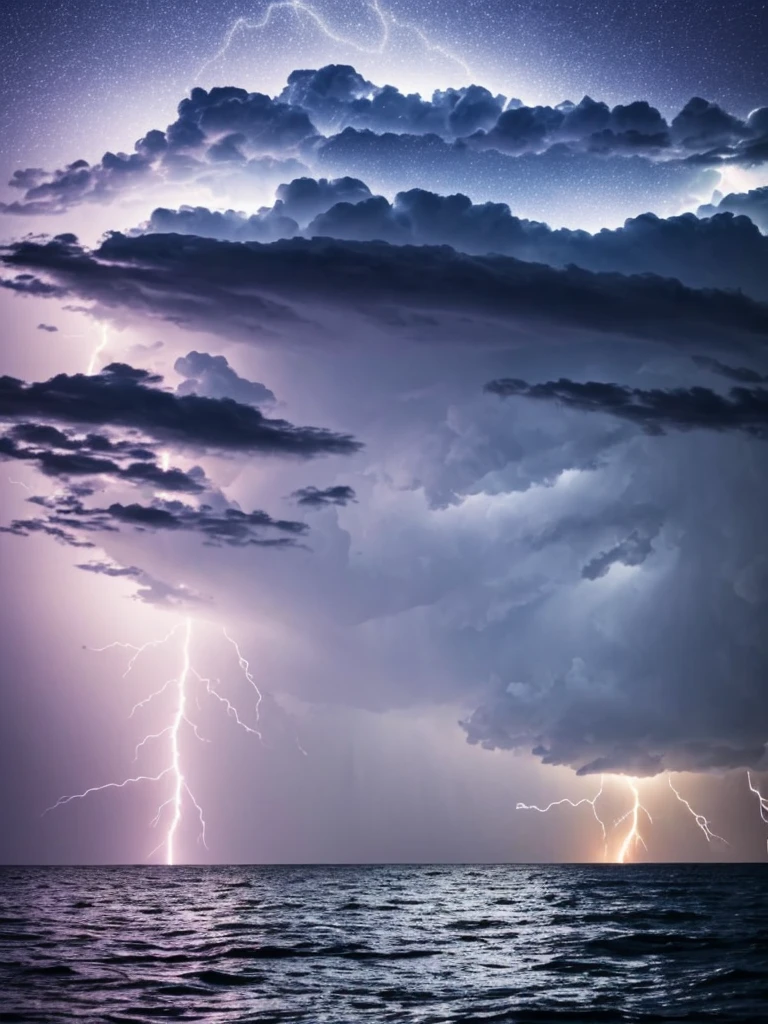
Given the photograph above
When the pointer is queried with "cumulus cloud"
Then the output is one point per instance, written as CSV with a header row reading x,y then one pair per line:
x,y
752,204
47,327
213,377
333,120
721,251
297,203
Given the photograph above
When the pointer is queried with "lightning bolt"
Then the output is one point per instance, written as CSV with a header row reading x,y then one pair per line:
x,y
763,801
387,21
700,820
592,801
93,362
179,782
180,792
246,670
633,836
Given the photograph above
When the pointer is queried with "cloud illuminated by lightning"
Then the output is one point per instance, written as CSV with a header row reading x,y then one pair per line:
x,y
386,20
633,836
180,723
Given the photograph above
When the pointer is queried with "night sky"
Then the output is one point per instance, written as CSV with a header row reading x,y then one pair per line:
x,y
403,370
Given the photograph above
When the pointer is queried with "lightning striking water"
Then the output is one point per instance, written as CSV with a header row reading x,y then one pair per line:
x,y
179,783
181,722
386,20
633,837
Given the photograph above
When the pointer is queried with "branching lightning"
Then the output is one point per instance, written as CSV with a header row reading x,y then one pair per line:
x,y
763,801
386,20
700,820
633,836
592,801
172,807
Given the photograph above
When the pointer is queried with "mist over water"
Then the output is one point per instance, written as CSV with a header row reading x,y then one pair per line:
x,y
384,943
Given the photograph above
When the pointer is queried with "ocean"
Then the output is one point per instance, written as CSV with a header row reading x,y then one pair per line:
x,y
427,944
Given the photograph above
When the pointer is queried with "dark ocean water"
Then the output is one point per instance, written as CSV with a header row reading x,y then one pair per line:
x,y
347,944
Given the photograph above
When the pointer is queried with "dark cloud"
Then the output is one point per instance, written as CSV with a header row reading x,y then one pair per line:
x,y
656,410
631,551
66,517
80,182
337,96
305,198
722,251
28,285
322,497
752,204
47,327
506,150
65,454
212,282
702,126
223,128
213,377
121,396
198,220
742,374
150,590
297,203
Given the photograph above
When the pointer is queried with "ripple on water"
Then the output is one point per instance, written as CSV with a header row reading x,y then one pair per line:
x,y
409,945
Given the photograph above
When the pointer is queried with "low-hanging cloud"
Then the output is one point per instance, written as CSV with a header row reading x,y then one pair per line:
x,y
252,286
121,396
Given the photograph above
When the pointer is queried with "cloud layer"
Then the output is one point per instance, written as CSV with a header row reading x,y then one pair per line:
x,y
333,121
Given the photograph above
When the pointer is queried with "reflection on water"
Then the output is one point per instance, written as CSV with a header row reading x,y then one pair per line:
x,y
349,944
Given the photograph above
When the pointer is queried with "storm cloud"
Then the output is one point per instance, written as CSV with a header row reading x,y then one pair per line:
x,y
723,251
121,396
255,287
334,121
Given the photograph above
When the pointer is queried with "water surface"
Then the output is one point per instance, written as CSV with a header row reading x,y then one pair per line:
x,y
406,944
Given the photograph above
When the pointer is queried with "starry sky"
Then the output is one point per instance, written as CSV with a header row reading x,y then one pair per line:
x,y
403,370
